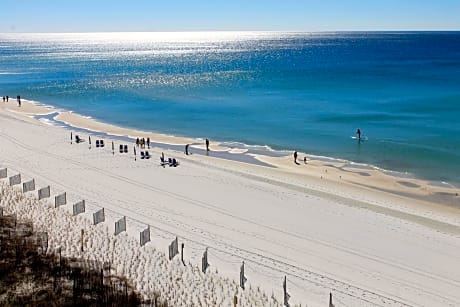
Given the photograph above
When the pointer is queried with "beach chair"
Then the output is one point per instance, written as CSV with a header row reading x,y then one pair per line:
x,y
142,155
101,143
147,155
174,162
78,139
163,162
121,148
125,148
97,143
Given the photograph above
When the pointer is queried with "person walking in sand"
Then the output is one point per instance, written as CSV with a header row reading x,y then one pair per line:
x,y
295,157
207,144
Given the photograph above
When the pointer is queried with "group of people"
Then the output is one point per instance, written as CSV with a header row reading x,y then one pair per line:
x,y
141,142
358,136
7,98
295,158
187,146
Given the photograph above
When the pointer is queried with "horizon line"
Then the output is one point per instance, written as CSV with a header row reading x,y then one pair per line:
x,y
236,31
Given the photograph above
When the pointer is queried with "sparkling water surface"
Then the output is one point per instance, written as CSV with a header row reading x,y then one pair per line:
x,y
290,91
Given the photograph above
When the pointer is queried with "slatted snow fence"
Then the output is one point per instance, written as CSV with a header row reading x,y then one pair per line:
x,y
173,248
99,217
79,207
16,179
44,192
28,186
120,225
145,236
3,173
60,200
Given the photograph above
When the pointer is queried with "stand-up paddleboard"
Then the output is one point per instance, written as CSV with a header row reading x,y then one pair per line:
x,y
363,138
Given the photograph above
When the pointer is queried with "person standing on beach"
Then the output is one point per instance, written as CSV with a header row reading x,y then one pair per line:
x,y
19,100
295,157
186,149
7,97
148,142
207,144
3,98
358,134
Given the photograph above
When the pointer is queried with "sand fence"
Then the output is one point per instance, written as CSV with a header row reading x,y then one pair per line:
x,y
86,268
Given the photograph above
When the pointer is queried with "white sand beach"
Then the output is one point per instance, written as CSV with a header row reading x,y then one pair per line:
x,y
369,238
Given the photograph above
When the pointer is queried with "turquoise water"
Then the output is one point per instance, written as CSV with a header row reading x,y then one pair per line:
x,y
289,91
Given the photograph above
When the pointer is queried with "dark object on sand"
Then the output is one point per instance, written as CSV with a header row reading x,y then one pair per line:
x,y
78,139
173,162
162,160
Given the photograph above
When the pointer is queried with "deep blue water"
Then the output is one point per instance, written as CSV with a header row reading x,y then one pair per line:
x,y
292,91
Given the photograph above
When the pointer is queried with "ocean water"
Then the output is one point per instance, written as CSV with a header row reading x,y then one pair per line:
x,y
289,91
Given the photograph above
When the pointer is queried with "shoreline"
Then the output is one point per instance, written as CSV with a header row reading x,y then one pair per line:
x,y
327,168
402,184
327,226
